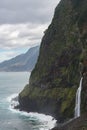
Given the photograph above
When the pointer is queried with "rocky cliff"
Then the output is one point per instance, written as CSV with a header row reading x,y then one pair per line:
x,y
61,63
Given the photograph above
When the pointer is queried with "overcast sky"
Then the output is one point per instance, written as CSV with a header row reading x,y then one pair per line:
x,y
22,23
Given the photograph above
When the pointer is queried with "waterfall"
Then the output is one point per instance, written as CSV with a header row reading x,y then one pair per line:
x,y
78,100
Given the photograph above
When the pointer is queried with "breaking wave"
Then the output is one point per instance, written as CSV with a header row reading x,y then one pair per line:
x,y
46,122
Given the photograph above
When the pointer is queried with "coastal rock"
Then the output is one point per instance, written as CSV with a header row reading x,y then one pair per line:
x,y
56,76
84,94
75,124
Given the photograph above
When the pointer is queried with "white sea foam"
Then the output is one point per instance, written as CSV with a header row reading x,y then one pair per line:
x,y
13,100
11,97
48,122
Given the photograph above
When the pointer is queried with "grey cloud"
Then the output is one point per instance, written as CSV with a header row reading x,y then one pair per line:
x,y
22,23
26,11
20,35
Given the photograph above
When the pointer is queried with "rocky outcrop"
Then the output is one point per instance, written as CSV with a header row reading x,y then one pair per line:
x,y
56,76
84,93
75,124
81,122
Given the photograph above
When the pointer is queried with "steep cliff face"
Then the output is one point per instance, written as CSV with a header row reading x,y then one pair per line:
x,y
55,78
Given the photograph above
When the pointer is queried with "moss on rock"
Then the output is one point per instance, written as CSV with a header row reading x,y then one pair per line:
x,y
55,78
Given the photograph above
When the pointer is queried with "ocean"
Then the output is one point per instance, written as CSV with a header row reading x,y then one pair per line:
x,y
11,83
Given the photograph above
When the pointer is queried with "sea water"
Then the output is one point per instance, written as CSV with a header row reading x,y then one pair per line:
x,y
11,83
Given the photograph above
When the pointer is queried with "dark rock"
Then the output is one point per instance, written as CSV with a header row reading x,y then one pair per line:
x,y
75,124
63,47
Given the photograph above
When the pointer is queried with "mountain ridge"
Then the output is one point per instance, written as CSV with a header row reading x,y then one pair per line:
x,y
22,62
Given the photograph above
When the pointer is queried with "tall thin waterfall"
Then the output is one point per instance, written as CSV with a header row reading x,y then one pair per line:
x,y
78,100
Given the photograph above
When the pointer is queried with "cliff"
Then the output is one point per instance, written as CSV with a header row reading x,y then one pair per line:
x,y
55,78
81,122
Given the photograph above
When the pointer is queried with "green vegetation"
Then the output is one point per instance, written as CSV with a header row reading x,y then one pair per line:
x,y
57,73
53,93
66,97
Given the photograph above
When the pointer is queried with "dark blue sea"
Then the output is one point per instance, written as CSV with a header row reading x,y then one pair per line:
x,y
11,83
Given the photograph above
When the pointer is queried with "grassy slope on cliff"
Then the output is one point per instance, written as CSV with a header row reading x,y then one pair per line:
x,y
57,72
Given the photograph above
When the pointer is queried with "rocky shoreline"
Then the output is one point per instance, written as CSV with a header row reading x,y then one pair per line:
x,y
61,64
75,124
